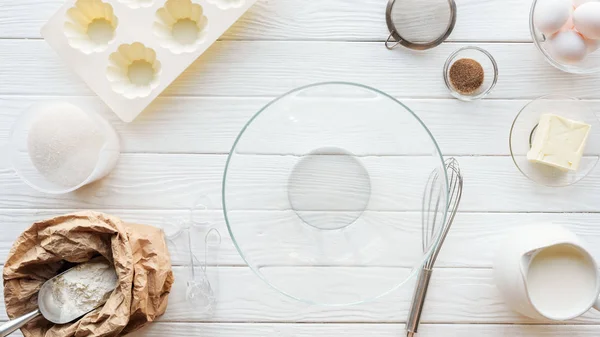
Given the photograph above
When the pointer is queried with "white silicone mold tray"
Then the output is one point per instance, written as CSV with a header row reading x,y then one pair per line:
x,y
129,51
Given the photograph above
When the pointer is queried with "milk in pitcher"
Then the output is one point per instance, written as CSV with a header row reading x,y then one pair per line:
x,y
561,281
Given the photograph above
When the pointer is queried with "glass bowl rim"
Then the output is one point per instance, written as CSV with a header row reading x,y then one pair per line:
x,y
437,242
550,59
510,139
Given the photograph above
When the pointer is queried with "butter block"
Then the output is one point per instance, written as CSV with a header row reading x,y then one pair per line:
x,y
559,142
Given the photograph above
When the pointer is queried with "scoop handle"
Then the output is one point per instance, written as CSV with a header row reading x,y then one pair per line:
x,y
10,326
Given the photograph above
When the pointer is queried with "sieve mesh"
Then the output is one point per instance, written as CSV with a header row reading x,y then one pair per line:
x,y
417,26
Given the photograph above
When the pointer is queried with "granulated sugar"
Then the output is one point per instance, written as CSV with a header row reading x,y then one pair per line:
x,y
64,145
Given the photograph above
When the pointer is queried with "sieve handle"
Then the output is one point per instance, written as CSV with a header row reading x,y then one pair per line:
x,y
390,39
416,308
9,327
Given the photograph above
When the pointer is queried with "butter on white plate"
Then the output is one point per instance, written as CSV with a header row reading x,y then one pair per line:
x,y
559,142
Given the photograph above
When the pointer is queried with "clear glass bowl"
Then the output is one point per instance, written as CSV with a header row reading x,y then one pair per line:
x,y
591,64
490,72
523,130
322,193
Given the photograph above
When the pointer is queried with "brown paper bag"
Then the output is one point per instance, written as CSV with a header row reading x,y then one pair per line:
x,y
139,254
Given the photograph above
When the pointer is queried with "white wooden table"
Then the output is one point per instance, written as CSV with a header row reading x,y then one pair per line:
x,y
177,150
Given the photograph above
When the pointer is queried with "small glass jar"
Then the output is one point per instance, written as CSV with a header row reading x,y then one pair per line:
x,y
490,72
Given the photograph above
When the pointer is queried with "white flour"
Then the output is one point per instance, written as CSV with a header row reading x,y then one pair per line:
x,y
64,144
83,288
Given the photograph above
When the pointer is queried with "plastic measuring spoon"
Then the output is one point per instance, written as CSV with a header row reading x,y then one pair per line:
x,y
50,309
183,236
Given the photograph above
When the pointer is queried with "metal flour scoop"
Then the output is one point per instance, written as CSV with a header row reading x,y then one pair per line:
x,y
70,295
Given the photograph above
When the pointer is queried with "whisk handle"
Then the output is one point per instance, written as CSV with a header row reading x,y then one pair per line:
x,y
416,308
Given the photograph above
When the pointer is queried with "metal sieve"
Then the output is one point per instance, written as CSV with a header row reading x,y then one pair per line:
x,y
417,26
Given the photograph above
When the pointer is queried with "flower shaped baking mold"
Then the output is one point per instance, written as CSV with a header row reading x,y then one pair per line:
x,y
227,4
137,3
90,26
180,26
133,70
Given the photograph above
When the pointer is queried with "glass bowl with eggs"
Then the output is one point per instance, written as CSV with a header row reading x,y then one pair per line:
x,y
567,32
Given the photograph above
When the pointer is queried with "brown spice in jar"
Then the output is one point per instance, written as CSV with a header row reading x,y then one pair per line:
x,y
466,75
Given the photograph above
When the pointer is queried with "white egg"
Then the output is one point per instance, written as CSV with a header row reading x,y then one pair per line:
x,y
569,25
568,47
592,45
551,15
587,20
578,3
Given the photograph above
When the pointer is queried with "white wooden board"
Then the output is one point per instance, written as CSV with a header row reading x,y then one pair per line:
x,y
471,244
176,152
210,124
456,295
347,20
270,68
360,330
174,181
357,330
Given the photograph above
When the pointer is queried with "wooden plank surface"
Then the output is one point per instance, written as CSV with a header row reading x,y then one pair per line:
x,y
160,329
173,181
473,241
360,330
280,66
175,153
347,20
211,124
357,330
455,296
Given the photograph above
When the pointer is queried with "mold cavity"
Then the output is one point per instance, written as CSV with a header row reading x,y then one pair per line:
x,y
137,3
90,26
227,4
180,26
101,31
185,31
133,70
140,72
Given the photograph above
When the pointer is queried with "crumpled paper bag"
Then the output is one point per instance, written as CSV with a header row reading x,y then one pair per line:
x,y
139,254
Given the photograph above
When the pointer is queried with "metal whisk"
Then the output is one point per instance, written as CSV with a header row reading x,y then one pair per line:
x,y
433,202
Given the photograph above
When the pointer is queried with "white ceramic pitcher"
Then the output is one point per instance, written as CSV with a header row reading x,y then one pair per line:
x,y
514,259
